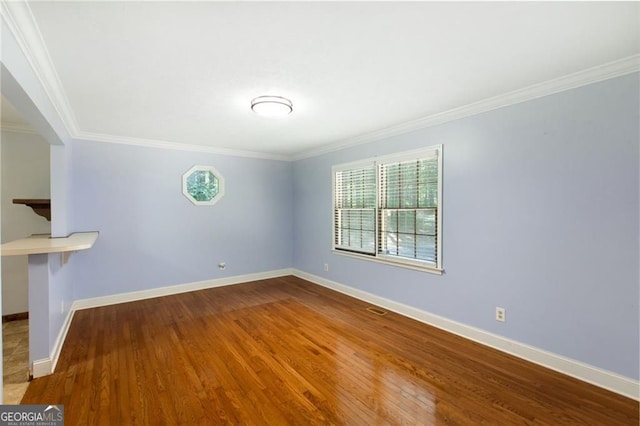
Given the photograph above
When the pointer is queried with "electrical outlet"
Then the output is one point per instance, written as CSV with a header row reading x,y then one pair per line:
x,y
326,267
501,314
62,307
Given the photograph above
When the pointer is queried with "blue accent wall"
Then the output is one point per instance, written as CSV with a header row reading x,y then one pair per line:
x,y
540,217
152,236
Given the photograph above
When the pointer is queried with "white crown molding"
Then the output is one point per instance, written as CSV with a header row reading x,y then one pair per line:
x,y
579,370
150,143
592,75
22,24
17,128
595,74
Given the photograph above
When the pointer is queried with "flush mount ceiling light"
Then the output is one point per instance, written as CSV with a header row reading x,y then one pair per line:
x,y
271,106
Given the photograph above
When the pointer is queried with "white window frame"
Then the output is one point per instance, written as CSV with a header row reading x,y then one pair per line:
x,y
426,266
215,173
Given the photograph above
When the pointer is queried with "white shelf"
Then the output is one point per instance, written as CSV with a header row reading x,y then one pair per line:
x,y
40,244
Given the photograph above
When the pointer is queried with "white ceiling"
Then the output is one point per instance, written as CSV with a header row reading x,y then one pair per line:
x,y
185,72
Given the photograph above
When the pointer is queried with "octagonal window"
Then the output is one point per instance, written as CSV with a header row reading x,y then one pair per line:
x,y
203,185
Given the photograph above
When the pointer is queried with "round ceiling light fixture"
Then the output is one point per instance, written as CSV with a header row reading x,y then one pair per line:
x,y
271,106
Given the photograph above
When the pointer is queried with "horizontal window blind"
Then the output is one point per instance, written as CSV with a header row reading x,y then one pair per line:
x,y
355,209
390,208
408,209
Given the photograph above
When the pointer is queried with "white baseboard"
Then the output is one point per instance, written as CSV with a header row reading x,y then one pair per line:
x,y
62,336
46,366
41,367
95,302
585,372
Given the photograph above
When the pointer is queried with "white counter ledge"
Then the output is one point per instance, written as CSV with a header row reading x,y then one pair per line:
x,y
40,244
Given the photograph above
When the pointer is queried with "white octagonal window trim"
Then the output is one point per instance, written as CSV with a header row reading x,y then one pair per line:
x,y
203,185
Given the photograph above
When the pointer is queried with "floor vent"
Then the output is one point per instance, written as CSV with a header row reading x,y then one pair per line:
x,y
377,311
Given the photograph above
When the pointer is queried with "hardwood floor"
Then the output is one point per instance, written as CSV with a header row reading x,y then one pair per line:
x,y
285,351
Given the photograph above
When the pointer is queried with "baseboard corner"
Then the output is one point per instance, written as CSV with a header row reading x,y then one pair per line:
x,y
41,368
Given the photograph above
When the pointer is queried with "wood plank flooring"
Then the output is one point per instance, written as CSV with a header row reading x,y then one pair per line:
x,y
285,351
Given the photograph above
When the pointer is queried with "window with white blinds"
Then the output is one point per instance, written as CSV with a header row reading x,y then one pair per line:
x,y
389,209
355,209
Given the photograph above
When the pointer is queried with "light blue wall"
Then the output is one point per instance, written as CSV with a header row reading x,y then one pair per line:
x,y
152,236
60,285
540,216
60,296
39,337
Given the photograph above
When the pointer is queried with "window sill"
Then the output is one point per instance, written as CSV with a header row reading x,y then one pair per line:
x,y
398,263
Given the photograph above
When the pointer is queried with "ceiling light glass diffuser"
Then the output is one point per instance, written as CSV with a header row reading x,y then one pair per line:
x,y
271,106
